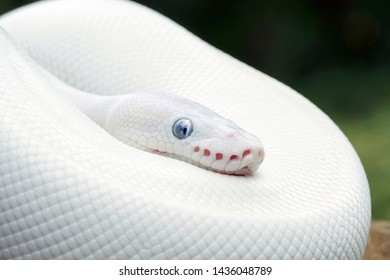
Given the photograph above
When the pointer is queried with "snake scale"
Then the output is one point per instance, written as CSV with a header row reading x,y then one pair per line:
x,y
71,190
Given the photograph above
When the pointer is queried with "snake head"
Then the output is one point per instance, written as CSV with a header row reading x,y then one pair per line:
x,y
179,128
217,144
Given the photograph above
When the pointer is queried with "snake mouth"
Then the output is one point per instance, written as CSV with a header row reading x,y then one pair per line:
x,y
243,171
246,170
239,165
250,168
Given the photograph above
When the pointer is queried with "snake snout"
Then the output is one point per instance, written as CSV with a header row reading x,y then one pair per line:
x,y
250,161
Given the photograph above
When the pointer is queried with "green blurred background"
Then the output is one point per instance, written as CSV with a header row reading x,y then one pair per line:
x,y
334,52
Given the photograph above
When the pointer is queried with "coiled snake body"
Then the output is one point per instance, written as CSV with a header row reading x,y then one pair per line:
x,y
69,189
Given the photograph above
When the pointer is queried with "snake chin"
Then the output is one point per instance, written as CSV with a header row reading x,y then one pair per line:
x,y
243,171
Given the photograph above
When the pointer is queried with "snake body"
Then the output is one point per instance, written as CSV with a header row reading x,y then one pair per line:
x,y
70,190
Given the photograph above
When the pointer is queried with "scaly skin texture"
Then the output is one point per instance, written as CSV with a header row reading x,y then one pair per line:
x,y
69,190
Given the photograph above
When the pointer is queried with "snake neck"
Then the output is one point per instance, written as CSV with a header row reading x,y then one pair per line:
x,y
94,106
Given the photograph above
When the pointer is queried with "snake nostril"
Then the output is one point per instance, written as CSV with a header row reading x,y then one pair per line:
x,y
206,152
232,157
218,156
196,149
245,153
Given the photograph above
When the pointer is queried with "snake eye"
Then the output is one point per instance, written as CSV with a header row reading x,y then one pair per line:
x,y
182,128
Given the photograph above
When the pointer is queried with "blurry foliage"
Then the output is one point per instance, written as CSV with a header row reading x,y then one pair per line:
x,y
335,52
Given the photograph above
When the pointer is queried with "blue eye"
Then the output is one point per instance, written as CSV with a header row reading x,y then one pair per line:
x,y
182,128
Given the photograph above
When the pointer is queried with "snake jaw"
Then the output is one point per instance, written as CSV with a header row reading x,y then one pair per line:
x,y
250,162
231,164
240,163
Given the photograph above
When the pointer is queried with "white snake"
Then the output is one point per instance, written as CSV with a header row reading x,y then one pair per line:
x,y
69,189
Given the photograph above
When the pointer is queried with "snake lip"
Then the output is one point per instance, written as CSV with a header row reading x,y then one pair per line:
x,y
249,169
250,162
251,166
243,171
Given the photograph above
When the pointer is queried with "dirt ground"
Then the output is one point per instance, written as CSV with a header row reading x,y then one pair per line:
x,y
378,247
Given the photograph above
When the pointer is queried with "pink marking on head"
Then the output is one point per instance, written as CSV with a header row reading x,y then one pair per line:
x,y
233,157
245,153
230,135
197,149
218,156
206,152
